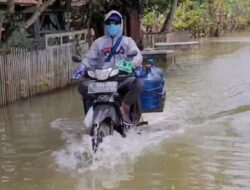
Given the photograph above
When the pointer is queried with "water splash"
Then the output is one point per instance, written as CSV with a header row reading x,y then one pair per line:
x,y
77,154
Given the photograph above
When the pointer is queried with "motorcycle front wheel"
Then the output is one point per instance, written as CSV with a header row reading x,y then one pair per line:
x,y
104,129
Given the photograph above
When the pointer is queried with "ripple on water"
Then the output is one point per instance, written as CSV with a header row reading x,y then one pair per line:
x,y
226,150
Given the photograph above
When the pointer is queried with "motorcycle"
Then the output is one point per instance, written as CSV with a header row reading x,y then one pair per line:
x,y
105,116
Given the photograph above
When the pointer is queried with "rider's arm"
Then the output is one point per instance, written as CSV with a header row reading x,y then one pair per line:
x,y
92,55
87,62
79,72
137,60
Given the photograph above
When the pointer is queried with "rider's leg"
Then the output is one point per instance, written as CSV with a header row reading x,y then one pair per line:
x,y
125,113
130,90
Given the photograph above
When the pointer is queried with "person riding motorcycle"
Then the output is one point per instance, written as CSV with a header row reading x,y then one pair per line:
x,y
129,88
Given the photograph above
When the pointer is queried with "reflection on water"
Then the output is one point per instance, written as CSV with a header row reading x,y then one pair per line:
x,y
27,141
200,141
238,110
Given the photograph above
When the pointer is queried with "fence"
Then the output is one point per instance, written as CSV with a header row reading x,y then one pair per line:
x,y
23,74
65,39
150,39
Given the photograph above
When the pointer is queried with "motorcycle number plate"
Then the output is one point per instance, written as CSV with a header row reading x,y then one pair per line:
x,y
102,87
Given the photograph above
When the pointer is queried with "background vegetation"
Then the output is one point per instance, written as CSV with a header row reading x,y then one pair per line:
x,y
202,17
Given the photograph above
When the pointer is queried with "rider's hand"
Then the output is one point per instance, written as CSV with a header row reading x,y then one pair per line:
x,y
138,71
79,72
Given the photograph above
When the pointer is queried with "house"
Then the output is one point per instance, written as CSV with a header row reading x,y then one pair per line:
x,y
58,18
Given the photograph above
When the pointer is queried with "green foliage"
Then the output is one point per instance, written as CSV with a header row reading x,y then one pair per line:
x,y
238,10
201,17
22,40
193,16
15,33
154,13
99,8
148,19
160,6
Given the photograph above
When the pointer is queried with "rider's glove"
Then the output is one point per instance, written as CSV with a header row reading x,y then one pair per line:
x,y
79,72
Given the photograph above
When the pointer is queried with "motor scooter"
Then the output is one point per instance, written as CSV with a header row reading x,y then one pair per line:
x,y
104,117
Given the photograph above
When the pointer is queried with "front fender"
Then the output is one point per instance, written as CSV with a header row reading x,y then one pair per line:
x,y
101,112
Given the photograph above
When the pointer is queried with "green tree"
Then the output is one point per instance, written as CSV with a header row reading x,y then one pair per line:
x,y
212,17
165,8
193,16
15,28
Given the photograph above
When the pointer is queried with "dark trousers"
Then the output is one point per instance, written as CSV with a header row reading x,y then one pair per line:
x,y
129,89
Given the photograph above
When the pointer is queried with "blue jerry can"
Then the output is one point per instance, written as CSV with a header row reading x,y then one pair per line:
x,y
153,94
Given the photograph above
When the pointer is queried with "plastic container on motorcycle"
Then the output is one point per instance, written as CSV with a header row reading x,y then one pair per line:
x,y
153,93
154,68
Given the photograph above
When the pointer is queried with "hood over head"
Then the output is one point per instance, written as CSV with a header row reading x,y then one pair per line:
x,y
114,15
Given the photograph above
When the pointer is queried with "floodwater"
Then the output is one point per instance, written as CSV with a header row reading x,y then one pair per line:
x,y
201,140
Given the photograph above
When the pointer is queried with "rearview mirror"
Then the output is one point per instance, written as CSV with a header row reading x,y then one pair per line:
x,y
77,58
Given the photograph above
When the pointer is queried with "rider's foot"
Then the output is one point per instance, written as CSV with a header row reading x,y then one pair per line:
x,y
126,120
125,114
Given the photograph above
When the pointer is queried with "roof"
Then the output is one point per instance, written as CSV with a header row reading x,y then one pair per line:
x,y
74,3
78,3
32,10
21,1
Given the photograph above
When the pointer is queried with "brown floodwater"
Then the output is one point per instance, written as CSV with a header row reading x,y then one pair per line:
x,y
201,140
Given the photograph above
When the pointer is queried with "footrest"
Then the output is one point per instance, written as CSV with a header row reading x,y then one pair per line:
x,y
142,123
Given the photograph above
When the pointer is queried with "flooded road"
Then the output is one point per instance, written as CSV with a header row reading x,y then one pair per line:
x,y
201,140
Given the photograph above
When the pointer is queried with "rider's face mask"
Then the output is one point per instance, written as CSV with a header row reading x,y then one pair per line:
x,y
113,28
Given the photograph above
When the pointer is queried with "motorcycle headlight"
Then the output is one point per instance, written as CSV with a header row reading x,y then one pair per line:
x,y
102,74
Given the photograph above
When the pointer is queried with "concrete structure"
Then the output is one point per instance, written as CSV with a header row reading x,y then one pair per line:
x,y
176,45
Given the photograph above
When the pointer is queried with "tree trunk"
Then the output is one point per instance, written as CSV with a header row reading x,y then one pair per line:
x,y
170,17
1,32
39,10
164,26
11,6
10,16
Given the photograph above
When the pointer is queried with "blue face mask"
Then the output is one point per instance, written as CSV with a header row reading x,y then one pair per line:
x,y
113,29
